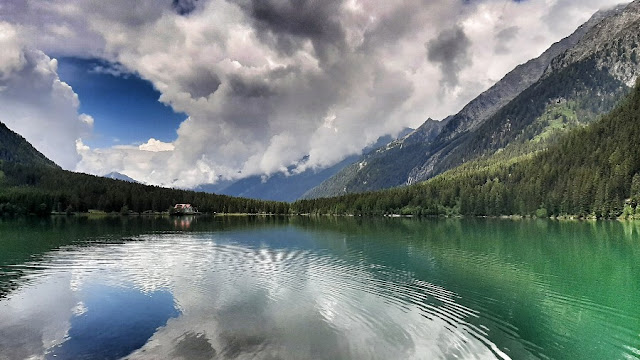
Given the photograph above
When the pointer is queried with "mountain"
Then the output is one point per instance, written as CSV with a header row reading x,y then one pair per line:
x,y
573,91
288,187
279,186
14,148
340,182
552,93
590,171
613,43
39,189
118,176
32,184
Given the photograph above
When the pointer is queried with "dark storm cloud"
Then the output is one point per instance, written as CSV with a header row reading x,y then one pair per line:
x,y
286,24
393,26
201,83
450,51
249,88
136,14
184,7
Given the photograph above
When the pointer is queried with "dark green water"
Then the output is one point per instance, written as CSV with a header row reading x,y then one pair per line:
x,y
300,288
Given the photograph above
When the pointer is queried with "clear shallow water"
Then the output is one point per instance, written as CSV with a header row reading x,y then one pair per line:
x,y
299,288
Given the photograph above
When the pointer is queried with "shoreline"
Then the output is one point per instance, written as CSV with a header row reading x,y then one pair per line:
x,y
562,218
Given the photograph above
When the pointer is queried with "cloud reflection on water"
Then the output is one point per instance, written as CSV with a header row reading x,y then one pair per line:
x,y
241,296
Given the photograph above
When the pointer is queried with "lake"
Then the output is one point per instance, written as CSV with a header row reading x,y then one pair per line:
x,y
318,288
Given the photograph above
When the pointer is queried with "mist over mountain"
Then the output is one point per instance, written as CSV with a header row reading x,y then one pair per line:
x,y
340,182
292,185
118,176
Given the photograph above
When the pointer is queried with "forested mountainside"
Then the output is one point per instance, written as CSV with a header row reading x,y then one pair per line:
x,y
31,183
522,107
591,171
15,148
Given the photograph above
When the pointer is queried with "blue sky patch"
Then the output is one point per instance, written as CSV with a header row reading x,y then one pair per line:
x,y
125,107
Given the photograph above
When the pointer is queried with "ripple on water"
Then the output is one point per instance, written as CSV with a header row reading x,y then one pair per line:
x,y
252,301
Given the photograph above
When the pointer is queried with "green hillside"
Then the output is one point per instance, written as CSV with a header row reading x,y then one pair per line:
x,y
591,171
32,184
40,189
15,148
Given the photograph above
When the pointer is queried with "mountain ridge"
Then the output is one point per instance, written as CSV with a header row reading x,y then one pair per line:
x,y
291,186
590,172
420,160
15,148
336,185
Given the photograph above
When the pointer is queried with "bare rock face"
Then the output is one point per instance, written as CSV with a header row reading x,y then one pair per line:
x,y
610,38
614,43
516,81
428,131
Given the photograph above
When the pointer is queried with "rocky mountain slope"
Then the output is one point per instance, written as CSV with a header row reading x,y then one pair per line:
x,y
339,183
589,172
613,43
596,62
288,187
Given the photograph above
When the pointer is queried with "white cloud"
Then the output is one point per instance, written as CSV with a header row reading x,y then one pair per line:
x,y
87,119
259,80
116,70
154,145
11,56
139,164
35,103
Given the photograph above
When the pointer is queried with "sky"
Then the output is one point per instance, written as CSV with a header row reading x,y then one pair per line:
x,y
185,92
125,108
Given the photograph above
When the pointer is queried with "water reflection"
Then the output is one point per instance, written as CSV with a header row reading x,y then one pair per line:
x,y
183,222
109,323
297,288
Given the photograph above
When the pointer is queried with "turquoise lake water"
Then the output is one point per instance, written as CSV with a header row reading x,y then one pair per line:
x,y
325,288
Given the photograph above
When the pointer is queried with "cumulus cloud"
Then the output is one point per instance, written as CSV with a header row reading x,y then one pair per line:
x,y
11,56
184,7
131,160
154,145
36,104
86,119
259,79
